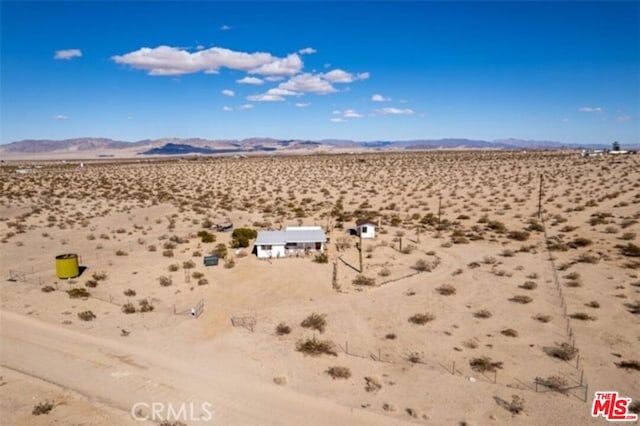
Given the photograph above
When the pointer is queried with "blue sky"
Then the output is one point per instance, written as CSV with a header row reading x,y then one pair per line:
x,y
563,71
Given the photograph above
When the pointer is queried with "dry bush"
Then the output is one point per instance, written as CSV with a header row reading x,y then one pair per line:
x,y
509,332
573,284
128,308
542,318
364,281
384,272
564,351
528,285
91,284
99,276
593,304
629,365
86,315
48,289
521,299
173,267
145,305
390,336
282,329
630,250
372,384
165,281
634,407
339,372
229,262
77,293
43,408
414,358
421,319
203,281
315,322
130,292
321,258
470,344
482,313
446,290
518,235
316,347
516,406
582,316
484,364
555,383
167,253
121,253
196,275
634,307
422,265
587,258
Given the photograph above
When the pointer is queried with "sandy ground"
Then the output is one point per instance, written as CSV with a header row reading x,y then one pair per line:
x,y
123,219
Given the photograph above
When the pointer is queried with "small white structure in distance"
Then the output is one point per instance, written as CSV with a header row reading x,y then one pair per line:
x,y
293,241
366,229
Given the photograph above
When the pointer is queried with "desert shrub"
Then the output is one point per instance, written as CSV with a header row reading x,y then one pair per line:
x,y
145,305
42,408
555,383
629,365
152,248
372,384
390,336
408,249
48,289
128,308
496,226
507,253
165,281
484,364
634,407
521,299
77,293
482,313
220,251
315,322
167,253
339,372
580,242
91,283
197,275
229,262
414,358
384,272
587,258
99,276
634,307
542,318
582,316
573,284
446,289
203,281
572,276
321,258
529,285
242,236
363,280
516,406
121,253
173,267
86,315
421,319
564,351
315,347
627,236
509,332
630,250
130,292
518,235
534,225
593,304
206,237
422,265
489,260
282,329
188,264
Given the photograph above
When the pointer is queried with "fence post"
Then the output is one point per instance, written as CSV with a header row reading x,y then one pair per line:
x,y
581,376
495,376
586,391
346,347
453,368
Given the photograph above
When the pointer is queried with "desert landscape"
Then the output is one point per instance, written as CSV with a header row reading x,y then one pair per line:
x,y
502,287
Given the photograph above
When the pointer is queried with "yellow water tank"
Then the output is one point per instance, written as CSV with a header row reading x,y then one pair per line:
x,y
67,266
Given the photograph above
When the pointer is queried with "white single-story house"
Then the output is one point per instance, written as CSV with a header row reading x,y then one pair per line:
x,y
366,229
293,241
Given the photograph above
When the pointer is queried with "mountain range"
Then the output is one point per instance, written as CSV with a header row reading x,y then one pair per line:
x,y
103,147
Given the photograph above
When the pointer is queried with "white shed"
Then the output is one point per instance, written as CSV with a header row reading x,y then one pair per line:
x,y
366,229
290,242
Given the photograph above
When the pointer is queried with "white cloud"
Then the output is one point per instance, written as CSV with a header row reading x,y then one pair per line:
x,y
167,60
590,109
338,120
302,104
227,108
307,51
250,80
225,28
245,106
61,117
623,118
274,78
68,54
379,98
265,97
228,92
341,76
290,65
395,111
336,112
308,83
351,114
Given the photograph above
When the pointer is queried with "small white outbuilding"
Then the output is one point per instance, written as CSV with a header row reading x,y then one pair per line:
x,y
366,229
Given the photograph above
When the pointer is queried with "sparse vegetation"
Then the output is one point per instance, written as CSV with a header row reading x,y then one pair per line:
x,y
282,329
43,408
315,322
421,319
339,372
362,280
78,292
315,347
446,290
86,316
484,364
563,351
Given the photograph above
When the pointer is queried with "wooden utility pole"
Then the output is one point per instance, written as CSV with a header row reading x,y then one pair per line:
x,y
540,198
360,252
